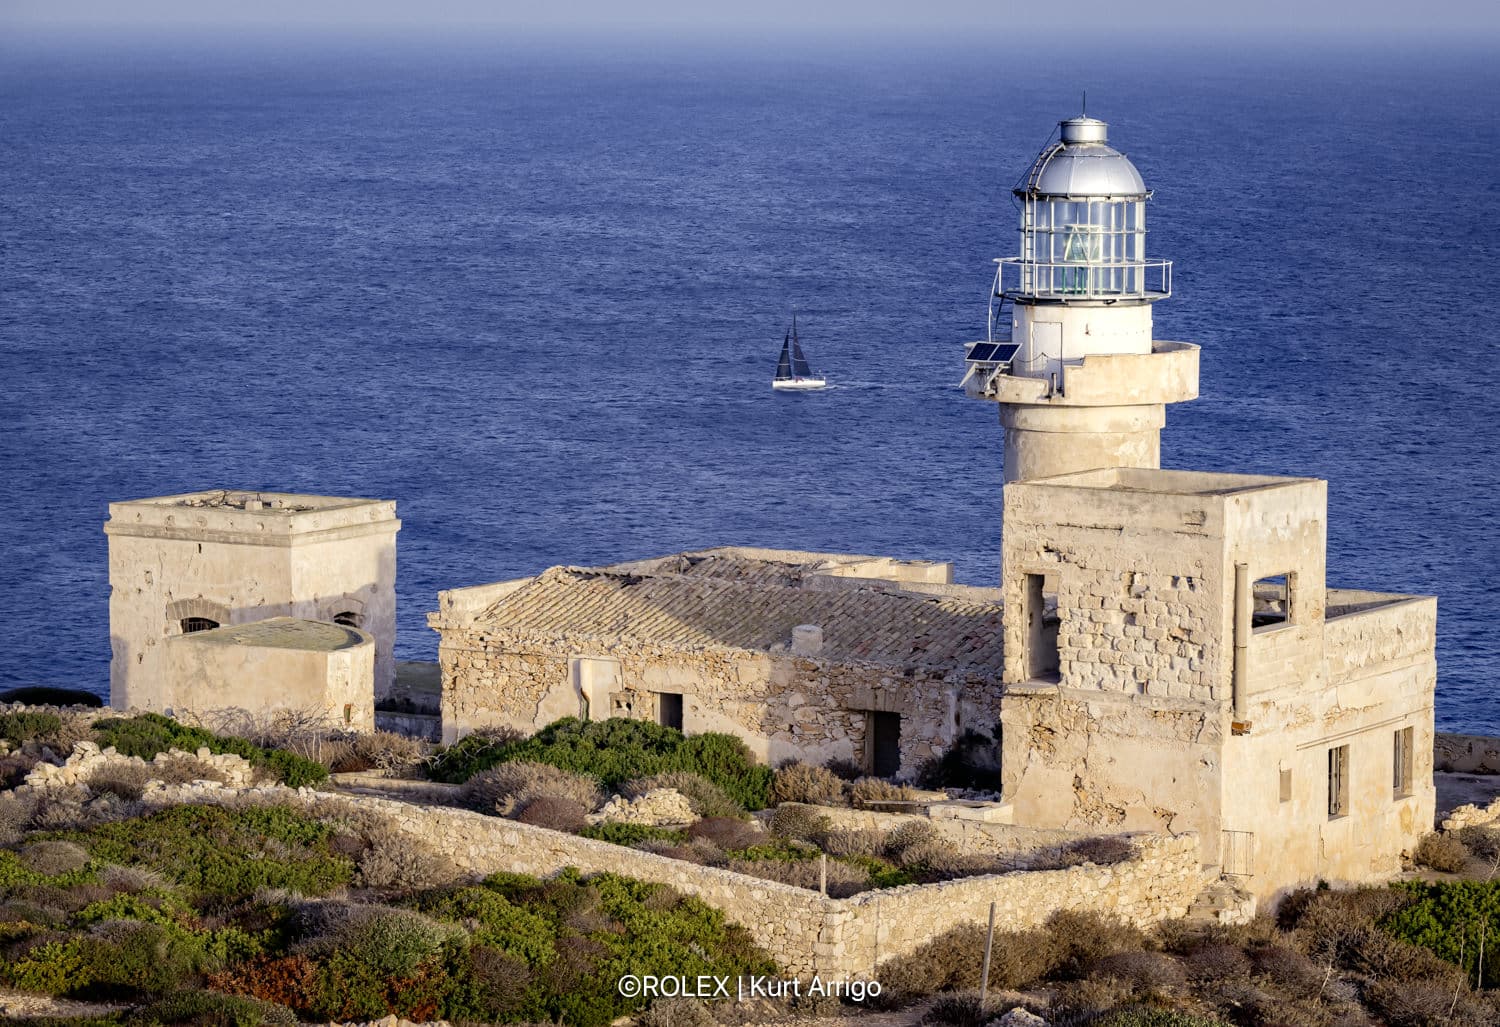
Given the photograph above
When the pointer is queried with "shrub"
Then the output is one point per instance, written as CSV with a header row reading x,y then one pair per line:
x,y
393,860
500,922
803,782
217,851
389,942
706,798
507,788
1101,851
844,879
1145,972
127,780
147,734
1481,840
960,1009
211,1008
798,822
854,843
955,958
1442,852
1083,937
370,750
14,766
52,858
29,726
726,832
1425,1004
845,769
916,843
1155,1018
182,770
555,813
677,1012
869,790
614,751
1447,918
16,812
1288,971
1215,960
633,834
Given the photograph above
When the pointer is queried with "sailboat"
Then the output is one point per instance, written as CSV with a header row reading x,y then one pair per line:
x,y
792,370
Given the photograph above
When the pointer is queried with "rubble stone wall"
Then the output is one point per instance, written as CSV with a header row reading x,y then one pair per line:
x,y
783,706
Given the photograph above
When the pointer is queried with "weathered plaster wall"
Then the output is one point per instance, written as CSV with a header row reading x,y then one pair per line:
x,y
1384,683
233,565
211,680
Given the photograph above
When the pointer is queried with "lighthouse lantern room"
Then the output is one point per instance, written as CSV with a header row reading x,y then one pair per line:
x,y
1069,352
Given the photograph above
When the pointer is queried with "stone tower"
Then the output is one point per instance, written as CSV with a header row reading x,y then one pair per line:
x,y
1069,355
200,561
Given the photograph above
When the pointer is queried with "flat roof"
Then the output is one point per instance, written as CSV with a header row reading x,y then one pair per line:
x,y
284,633
254,500
1164,482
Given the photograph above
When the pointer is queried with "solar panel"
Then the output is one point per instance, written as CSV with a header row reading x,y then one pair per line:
x,y
992,352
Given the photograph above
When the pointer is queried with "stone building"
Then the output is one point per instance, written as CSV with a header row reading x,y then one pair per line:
x,y
1174,661
205,560
314,669
809,655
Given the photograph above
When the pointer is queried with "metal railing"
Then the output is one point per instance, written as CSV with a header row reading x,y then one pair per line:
x,y
1025,279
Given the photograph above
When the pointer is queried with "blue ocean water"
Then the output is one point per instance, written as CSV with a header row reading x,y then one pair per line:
x,y
536,297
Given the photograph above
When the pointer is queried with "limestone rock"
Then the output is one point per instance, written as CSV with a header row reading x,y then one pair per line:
x,y
1019,1017
658,807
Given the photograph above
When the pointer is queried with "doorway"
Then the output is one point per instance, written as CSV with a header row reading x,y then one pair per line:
x,y
882,743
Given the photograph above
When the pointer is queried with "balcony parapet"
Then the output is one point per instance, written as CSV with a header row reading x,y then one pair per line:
x,y
1168,374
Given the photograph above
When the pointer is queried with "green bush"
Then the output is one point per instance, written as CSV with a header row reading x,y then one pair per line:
x,y
632,834
29,726
496,921
147,734
615,751
1448,918
212,850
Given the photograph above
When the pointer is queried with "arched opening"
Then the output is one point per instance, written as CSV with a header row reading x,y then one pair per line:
x,y
348,618
192,624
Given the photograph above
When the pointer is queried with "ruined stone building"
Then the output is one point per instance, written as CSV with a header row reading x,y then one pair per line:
x,y
803,655
186,570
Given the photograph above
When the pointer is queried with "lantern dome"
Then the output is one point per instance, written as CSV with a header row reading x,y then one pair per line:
x,y
1083,164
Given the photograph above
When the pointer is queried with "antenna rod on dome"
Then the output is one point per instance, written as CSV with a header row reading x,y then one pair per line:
x,y
1085,112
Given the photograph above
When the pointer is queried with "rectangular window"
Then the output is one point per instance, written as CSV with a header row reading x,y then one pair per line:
x,y
1401,763
1286,786
1338,781
1272,597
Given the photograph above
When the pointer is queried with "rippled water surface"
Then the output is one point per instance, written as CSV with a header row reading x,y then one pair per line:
x,y
537,299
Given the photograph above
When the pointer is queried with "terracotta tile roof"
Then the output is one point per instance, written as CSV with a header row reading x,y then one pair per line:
x,y
734,604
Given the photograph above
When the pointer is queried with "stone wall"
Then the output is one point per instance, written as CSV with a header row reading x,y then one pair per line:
x,y
804,932
783,706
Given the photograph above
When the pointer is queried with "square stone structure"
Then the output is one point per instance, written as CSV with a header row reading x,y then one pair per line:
x,y
311,668
1174,661
812,656
203,560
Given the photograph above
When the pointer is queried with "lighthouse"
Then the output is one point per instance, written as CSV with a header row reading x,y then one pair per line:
x,y
1069,354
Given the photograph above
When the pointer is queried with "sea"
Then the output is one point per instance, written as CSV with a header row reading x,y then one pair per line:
x,y
534,291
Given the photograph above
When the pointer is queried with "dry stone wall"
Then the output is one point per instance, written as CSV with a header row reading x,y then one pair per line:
x,y
1015,846
803,931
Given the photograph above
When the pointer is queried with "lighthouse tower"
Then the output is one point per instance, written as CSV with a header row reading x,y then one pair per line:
x,y
1069,355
